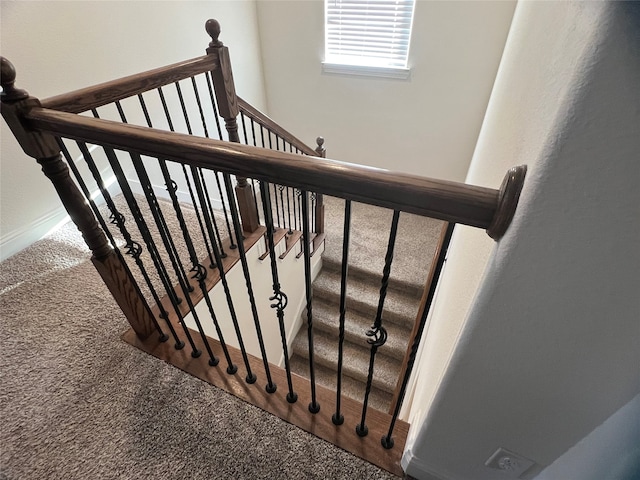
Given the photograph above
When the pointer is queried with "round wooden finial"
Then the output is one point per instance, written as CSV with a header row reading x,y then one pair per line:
x,y
7,80
320,150
213,29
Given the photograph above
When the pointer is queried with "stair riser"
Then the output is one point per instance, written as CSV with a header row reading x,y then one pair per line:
x,y
347,370
359,340
364,309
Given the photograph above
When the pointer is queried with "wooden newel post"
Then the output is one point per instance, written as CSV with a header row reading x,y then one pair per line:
x,y
227,100
44,148
319,226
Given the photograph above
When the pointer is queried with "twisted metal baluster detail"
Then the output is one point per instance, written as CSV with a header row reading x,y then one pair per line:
x,y
200,272
63,148
387,441
158,216
270,387
143,105
314,406
151,247
251,377
162,226
279,298
338,418
377,333
210,213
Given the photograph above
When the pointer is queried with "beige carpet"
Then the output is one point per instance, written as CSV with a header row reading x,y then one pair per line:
x,y
416,243
78,403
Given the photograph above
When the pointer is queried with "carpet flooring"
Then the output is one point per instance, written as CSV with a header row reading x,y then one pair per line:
x,y
415,245
76,402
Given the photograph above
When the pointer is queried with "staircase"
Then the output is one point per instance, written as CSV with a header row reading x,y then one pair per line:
x,y
416,242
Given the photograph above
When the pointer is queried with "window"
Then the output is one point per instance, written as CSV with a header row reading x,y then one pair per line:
x,y
368,37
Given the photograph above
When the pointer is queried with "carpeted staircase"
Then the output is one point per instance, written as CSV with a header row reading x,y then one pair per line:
x,y
415,245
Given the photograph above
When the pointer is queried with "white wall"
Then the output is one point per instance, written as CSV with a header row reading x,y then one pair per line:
x,y
426,125
534,340
611,451
60,46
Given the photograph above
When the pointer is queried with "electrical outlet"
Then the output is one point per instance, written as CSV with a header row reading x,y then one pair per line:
x,y
509,462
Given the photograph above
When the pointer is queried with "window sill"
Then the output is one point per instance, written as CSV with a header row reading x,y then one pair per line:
x,y
365,71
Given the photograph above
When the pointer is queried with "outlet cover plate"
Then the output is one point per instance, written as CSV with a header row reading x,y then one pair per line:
x,y
510,463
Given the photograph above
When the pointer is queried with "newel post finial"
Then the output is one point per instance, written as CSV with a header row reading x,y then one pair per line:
x,y
7,79
213,29
320,149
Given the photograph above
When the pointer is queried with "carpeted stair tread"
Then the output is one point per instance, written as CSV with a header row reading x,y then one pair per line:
x,y
356,360
326,318
400,306
416,241
378,399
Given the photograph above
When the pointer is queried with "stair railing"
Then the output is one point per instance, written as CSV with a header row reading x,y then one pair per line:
x,y
44,130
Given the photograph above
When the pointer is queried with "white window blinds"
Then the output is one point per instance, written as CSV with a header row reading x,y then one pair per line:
x,y
373,33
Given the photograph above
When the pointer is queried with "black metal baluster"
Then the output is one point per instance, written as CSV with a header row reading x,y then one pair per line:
x,y
253,133
297,212
202,117
153,251
213,104
387,441
200,272
251,377
212,216
151,246
281,190
314,406
232,244
313,210
337,417
289,210
284,223
271,387
255,198
278,295
132,248
244,129
378,334
188,123
204,183
296,200
184,108
181,272
167,241
165,107
262,135
195,206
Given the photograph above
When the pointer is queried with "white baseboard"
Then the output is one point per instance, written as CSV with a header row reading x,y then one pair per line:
x,y
21,238
417,468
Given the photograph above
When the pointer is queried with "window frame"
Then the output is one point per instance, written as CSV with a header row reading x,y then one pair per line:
x,y
341,65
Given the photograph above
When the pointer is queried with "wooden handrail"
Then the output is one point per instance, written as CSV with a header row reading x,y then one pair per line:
x,y
445,200
96,96
266,121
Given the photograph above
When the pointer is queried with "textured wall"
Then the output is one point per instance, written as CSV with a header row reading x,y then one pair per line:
x,y
60,46
426,125
545,350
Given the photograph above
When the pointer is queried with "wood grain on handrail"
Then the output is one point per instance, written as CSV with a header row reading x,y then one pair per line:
x,y
104,93
445,200
259,117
